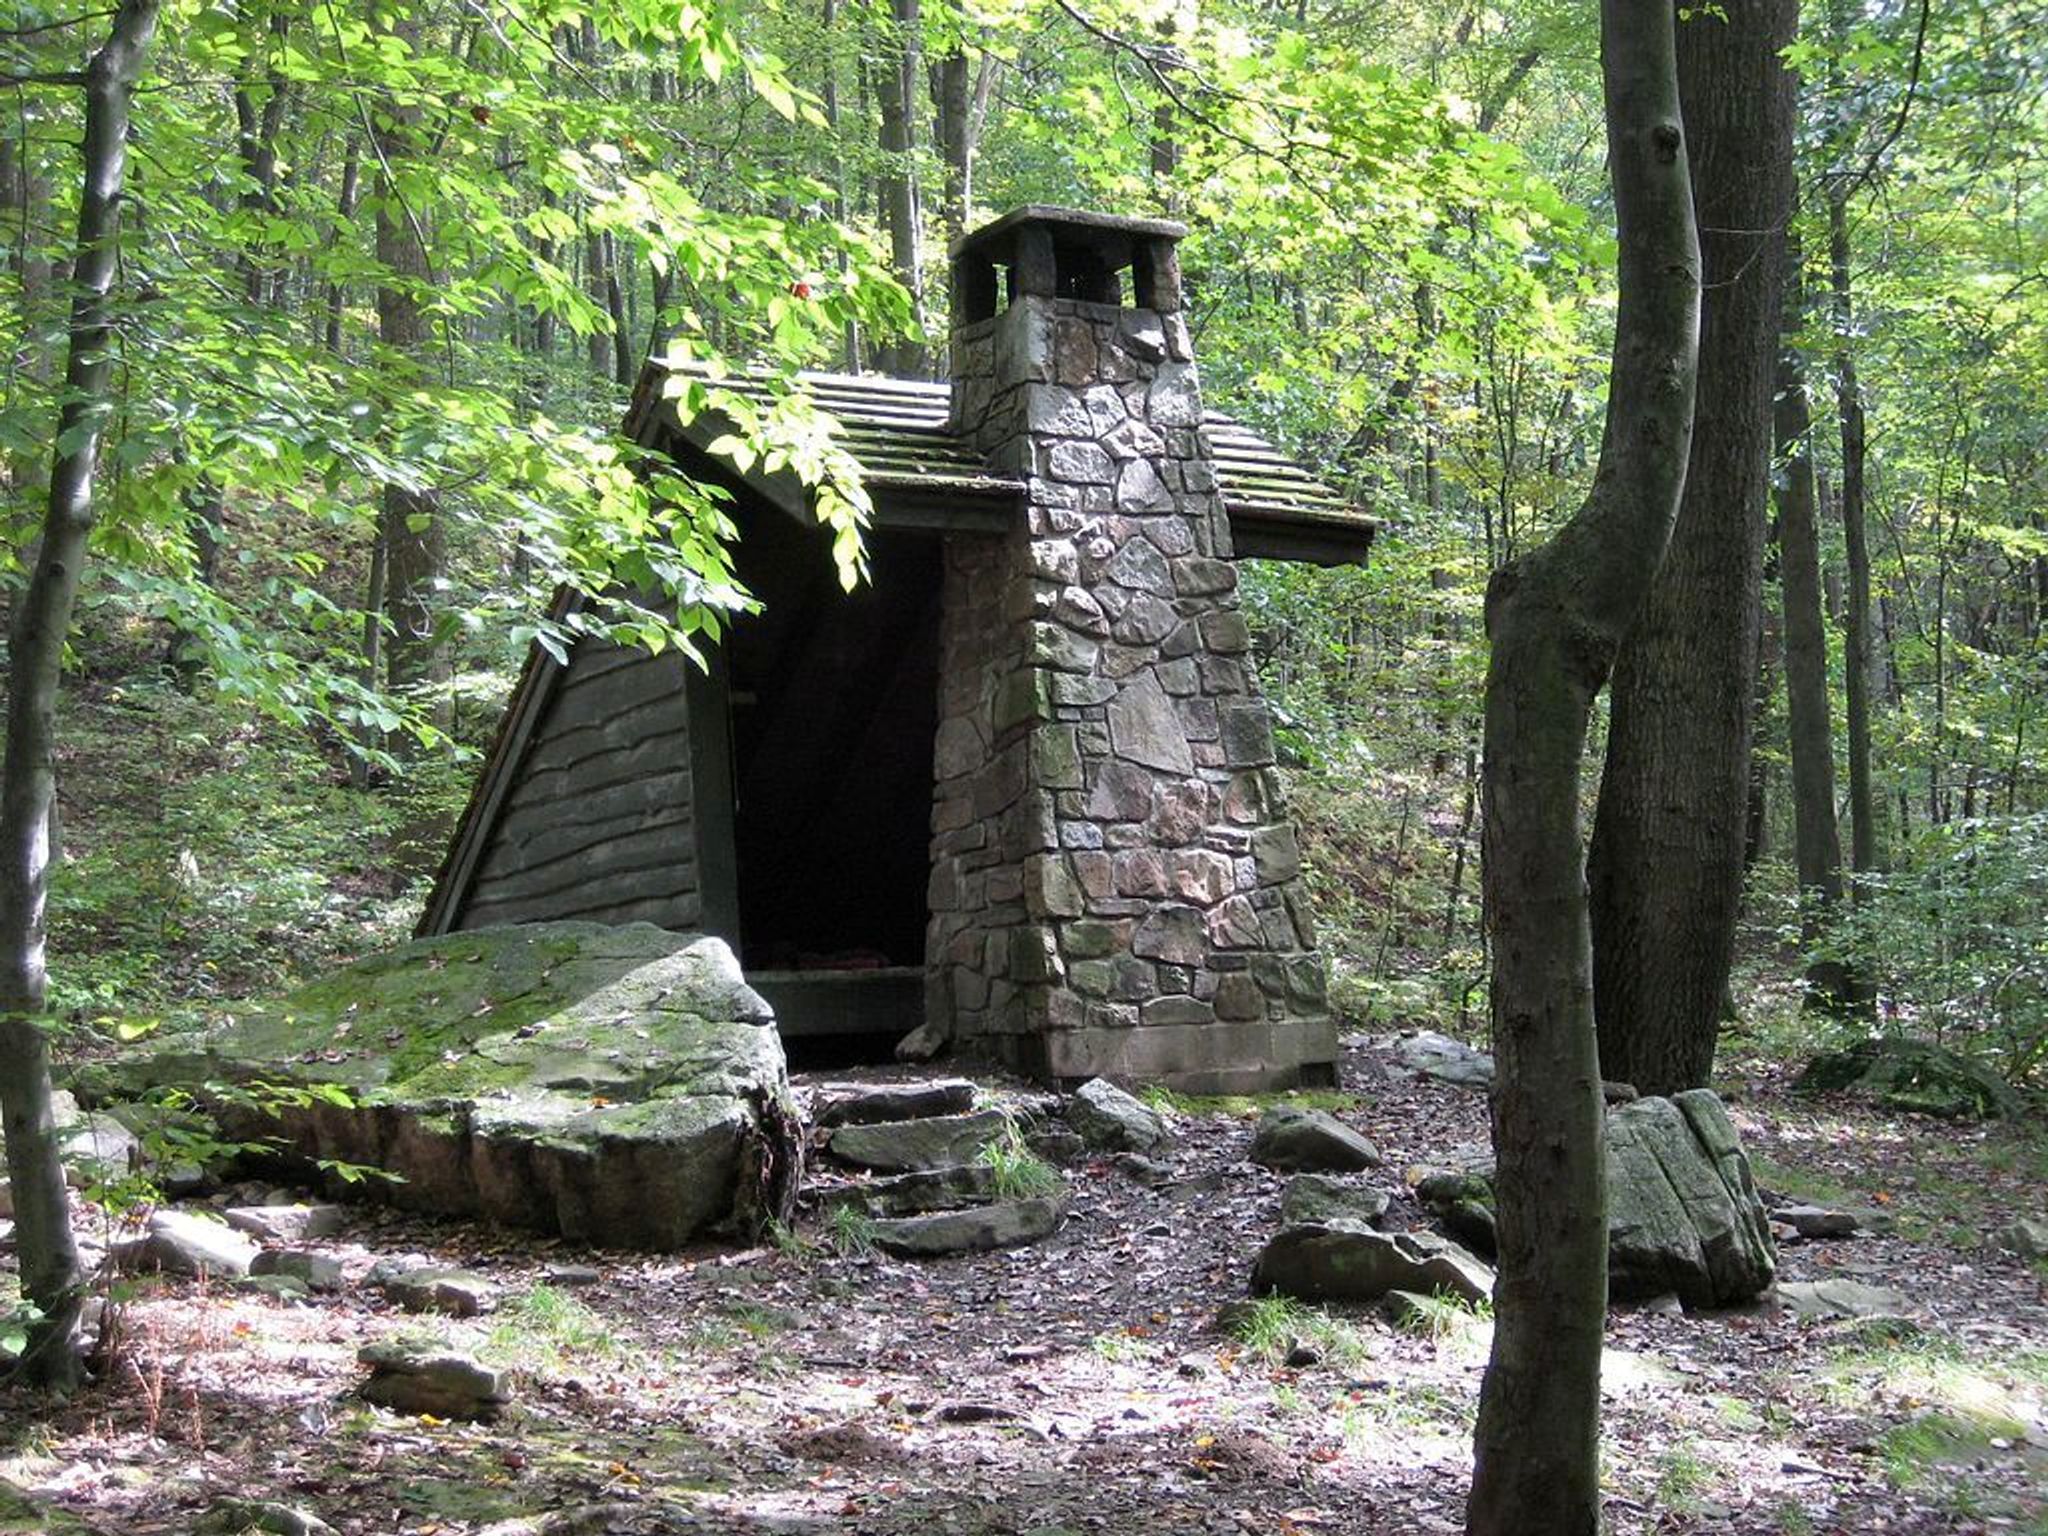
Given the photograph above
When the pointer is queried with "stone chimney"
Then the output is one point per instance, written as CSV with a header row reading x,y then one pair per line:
x,y
1115,884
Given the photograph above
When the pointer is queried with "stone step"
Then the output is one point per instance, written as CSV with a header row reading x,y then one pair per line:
x,y
979,1229
909,1146
834,1104
912,1194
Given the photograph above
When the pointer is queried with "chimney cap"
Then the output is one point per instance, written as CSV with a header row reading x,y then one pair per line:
x,y
1112,237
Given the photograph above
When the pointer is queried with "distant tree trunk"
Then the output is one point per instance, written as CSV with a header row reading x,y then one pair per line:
x,y
1165,148
1756,811
829,93
599,343
1863,849
44,1244
952,90
256,130
345,210
409,524
896,88
625,366
1817,842
260,100
1667,854
1557,617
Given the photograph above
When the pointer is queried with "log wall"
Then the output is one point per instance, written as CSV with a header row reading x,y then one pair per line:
x,y
600,823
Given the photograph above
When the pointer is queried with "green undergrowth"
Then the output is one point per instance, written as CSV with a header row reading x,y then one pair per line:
x,y
208,856
1965,1410
1273,1327
850,1231
547,1332
1015,1171
1445,1317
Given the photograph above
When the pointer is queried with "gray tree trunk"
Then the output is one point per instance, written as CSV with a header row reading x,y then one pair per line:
x,y
410,526
44,1244
952,91
1863,847
1817,841
1557,617
1667,857
896,89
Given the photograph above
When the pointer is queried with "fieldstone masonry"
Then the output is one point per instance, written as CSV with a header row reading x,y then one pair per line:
x,y
1115,886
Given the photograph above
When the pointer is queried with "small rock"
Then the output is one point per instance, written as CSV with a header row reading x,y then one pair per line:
x,y
1813,1221
1462,1203
1191,1367
923,1043
907,1146
1056,1144
977,1230
1445,1059
242,1517
187,1181
877,1103
1320,1199
574,1275
1314,1263
1301,1355
2026,1237
180,1243
1812,1300
1148,1171
458,1292
276,1287
1310,1141
294,1223
411,1378
1110,1120
319,1271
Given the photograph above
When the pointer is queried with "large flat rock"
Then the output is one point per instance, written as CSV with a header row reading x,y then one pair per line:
x,y
621,1086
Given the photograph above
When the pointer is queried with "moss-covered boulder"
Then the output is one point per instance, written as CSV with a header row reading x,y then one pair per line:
x,y
1683,1214
619,1086
1915,1076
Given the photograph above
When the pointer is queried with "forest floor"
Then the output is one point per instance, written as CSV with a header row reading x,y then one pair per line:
x,y
1079,1385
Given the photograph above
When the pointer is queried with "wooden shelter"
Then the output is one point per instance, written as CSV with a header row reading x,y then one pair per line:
x,y
1019,788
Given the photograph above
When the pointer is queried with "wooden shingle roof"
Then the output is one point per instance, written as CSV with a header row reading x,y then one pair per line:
x,y
919,474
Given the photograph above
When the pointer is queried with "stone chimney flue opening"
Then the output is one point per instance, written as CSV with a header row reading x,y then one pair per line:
x,y
1064,253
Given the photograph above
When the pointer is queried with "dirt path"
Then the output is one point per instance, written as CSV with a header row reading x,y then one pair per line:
x,y
1078,1386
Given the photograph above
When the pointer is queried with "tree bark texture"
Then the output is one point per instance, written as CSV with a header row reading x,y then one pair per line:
x,y
1816,839
1667,857
896,88
409,524
953,93
345,210
1863,848
44,1244
1557,617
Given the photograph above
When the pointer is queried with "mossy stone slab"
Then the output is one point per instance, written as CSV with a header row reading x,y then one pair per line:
x,y
622,1086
